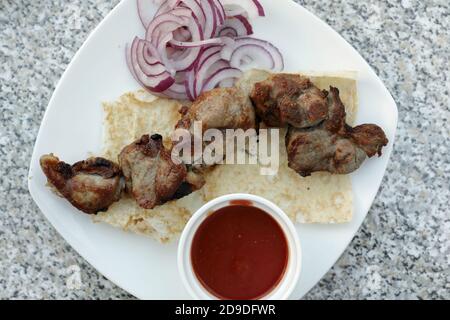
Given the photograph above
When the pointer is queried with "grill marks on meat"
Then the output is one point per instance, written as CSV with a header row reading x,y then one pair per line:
x,y
151,176
91,185
333,145
289,99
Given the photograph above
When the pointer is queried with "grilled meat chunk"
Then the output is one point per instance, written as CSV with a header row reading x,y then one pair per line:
x,y
151,176
369,137
91,185
333,145
221,108
289,99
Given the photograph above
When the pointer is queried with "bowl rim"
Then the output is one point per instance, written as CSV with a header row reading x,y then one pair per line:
x,y
293,269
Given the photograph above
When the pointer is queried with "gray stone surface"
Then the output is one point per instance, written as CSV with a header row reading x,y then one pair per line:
x,y
402,250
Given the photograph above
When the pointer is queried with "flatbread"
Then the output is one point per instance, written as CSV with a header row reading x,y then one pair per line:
x,y
320,198
135,114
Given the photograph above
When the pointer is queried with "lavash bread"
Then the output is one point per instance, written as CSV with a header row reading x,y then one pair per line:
x,y
320,198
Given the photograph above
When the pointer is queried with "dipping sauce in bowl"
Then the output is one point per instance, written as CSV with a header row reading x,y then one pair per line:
x,y
239,252
239,246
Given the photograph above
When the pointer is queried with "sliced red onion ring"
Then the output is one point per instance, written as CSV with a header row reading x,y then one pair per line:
x,y
163,8
177,90
259,7
220,11
202,72
174,53
227,32
221,75
156,83
189,85
238,25
192,44
181,12
246,59
178,87
173,3
260,57
161,24
192,53
220,64
150,53
169,3
210,26
150,67
227,50
194,77
182,34
252,7
205,54
196,9
256,49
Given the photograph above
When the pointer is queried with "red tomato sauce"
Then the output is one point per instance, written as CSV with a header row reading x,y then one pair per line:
x,y
239,252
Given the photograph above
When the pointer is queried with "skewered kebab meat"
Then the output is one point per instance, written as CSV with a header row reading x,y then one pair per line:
x,y
148,174
151,176
221,108
289,99
318,139
333,145
91,185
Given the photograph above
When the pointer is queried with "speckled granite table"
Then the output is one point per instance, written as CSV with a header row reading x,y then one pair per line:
x,y
402,250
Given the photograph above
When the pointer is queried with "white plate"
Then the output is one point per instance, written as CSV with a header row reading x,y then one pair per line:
x,y
72,129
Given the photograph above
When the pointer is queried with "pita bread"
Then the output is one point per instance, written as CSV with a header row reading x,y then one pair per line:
x,y
320,198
